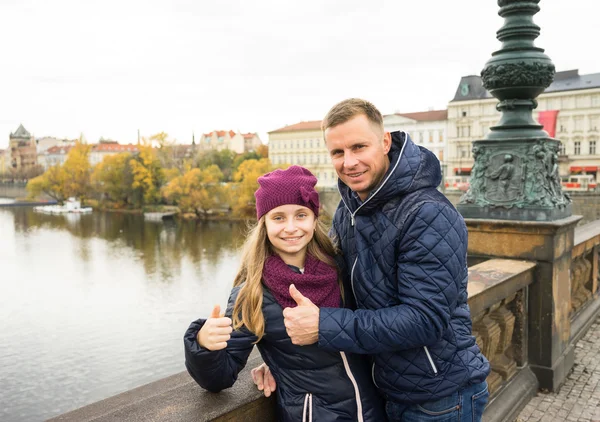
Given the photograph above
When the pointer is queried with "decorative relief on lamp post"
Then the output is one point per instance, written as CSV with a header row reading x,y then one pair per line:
x,y
521,176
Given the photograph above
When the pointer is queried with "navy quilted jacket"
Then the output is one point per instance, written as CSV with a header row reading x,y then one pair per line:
x,y
405,247
312,384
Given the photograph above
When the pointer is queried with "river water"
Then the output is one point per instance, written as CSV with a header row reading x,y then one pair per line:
x,y
93,305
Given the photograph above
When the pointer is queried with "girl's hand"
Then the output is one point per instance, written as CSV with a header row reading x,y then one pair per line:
x,y
216,331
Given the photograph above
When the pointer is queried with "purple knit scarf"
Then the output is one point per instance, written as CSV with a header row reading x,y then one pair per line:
x,y
319,282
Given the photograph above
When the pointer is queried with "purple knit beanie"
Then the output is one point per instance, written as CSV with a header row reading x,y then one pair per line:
x,y
296,185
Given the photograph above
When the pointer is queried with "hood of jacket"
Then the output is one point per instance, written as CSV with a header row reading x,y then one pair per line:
x,y
411,168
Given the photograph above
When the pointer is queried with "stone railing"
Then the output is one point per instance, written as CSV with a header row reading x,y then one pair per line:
x,y
497,298
498,292
584,277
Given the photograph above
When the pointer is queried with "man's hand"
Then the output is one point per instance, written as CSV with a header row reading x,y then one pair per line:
x,y
216,331
302,322
262,377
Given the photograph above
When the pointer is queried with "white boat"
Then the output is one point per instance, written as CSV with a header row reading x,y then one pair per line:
x,y
71,205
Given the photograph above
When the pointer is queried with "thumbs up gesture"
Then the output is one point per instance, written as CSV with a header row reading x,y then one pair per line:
x,y
301,322
216,331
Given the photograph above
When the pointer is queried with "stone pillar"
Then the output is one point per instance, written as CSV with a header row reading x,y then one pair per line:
x,y
550,354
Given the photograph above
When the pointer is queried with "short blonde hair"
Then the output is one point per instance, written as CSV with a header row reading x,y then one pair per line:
x,y
347,109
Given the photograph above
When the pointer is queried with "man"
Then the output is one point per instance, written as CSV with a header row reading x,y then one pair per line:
x,y
404,246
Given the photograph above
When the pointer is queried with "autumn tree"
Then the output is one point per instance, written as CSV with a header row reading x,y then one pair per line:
x,y
147,174
173,155
196,190
113,179
246,177
70,179
222,159
172,173
263,151
240,158
50,183
77,171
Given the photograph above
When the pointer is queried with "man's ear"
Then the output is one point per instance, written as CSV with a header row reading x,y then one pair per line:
x,y
387,141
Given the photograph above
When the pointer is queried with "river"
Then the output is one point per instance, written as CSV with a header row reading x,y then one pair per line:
x,y
93,305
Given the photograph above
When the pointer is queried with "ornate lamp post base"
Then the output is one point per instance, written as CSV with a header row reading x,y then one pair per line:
x,y
516,214
515,179
515,174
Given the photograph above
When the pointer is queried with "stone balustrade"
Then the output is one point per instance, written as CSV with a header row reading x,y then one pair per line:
x,y
584,276
498,292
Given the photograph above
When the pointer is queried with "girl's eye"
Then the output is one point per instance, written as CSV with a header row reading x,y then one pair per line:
x,y
301,215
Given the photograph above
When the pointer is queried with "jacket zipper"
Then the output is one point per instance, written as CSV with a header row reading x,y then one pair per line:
x,y
352,221
430,360
307,406
373,374
352,279
356,391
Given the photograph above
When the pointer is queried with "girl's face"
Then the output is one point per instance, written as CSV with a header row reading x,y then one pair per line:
x,y
290,228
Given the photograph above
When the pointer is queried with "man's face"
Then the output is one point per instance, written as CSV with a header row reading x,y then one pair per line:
x,y
358,151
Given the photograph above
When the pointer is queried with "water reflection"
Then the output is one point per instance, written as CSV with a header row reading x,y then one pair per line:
x,y
93,305
159,246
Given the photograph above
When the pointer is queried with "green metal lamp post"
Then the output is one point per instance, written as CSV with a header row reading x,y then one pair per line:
x,y
515,174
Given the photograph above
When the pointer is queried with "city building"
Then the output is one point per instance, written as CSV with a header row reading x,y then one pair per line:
x,y
54,155
237,142
42,144
106,148
57,154
23,153
251,141
576,98
303,144
426,128
3,161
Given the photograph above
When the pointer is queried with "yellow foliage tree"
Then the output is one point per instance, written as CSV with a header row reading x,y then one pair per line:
x,y
246,177
147,174
171,173
263,151
50,183
112,178
77,171
196,190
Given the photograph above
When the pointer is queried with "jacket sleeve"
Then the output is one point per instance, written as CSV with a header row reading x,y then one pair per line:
x,y
431,270
217,370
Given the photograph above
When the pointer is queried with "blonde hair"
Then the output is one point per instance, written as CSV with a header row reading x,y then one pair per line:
x,y
247,310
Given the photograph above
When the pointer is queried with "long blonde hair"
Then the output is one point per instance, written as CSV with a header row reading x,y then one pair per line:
x,y
247,310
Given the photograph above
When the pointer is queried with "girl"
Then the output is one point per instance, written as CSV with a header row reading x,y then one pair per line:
x,y
288,246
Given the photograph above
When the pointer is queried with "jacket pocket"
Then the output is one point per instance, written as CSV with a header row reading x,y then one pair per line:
x,y
444,406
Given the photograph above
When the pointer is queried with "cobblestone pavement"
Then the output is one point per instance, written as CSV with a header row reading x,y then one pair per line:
x,y
578,399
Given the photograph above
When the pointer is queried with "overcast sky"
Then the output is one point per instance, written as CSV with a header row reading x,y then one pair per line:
x,y
108,68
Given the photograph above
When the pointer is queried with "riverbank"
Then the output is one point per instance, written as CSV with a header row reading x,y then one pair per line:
x,y
10,202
